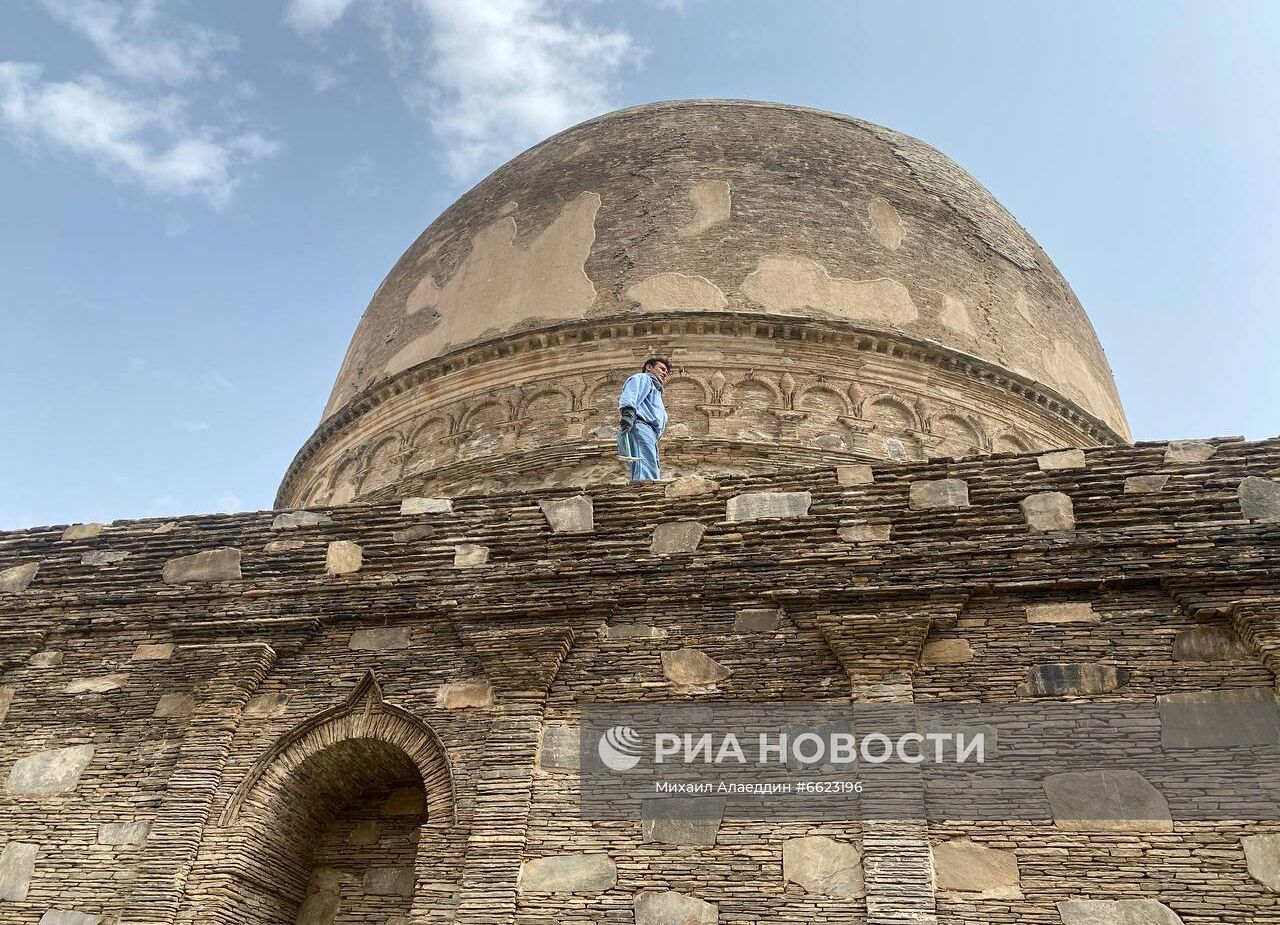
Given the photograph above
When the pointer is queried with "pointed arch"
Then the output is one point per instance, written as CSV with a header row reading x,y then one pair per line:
x,y
288,844
960,436
893,411
486,412
433,428
344,477
540,396
822,397
1011,441
750,382
385,463
364,715
683,396
542,413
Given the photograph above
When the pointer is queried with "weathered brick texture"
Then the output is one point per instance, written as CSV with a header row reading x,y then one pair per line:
x,y
365,747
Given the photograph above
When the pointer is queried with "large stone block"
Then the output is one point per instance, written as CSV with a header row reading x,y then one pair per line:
x,y
1072,679
1260,499
568,873
1219,718
1180,452
123,833
628,630
768,505
211,565
849,476
266,706
296,520
414,533
56,770
329,880
946,652
1145,484
153,652
938,494
389,881
411,506
676,538
570,515
1116,912
561,744
103,556
877,531
470,555
1061,459
688,668
17,578
666,907
757,620
973,871
82,531
823,866
1262,855
69,917
381,639
688,486
174,706
682,820
1208,644
1106,801
17,863
1063,612
460,695
101,684
1048,511
276,547
319,908
343,557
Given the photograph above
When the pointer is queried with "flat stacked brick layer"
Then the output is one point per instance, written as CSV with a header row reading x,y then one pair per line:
x,y
368,713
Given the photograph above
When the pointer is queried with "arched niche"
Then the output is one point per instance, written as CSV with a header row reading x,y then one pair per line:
x,y
348,818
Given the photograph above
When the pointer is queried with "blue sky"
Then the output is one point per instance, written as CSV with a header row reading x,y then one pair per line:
x,y
200,198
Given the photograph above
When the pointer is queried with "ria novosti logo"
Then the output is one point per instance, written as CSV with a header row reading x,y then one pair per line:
x,y
620,748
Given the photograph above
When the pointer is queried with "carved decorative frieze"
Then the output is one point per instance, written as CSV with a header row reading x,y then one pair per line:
x,y
737,404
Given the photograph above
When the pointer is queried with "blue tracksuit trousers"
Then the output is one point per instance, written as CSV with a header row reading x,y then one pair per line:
x,y
641,442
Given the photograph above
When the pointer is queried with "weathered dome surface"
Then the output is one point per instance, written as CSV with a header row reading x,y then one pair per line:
x,y
852,293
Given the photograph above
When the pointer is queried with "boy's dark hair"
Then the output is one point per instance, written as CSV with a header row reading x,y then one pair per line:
x,y
654,360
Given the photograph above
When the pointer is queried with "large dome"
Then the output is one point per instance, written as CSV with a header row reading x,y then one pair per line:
x,y
827,289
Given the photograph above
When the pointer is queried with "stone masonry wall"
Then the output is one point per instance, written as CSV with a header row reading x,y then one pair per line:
x,y
368,713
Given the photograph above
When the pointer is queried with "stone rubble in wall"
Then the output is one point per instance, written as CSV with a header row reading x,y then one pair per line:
x,y
169,644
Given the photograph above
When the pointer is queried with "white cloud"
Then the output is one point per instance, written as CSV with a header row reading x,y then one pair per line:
x,y
143,139
311,15
140,43
492,76
144,134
